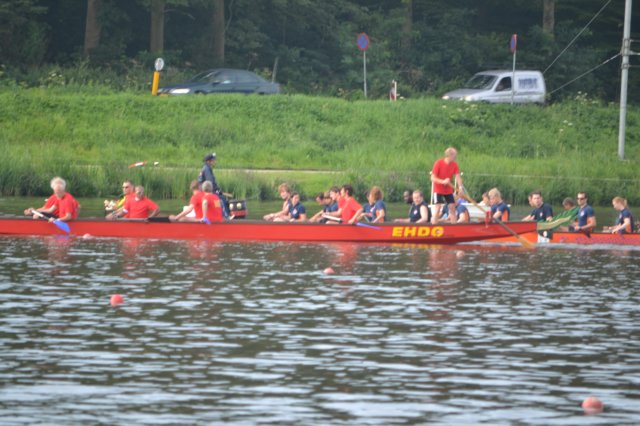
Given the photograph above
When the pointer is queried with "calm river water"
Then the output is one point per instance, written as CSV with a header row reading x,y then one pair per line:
x,y
247,334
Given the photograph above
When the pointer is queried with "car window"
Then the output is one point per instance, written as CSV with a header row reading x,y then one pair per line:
x,y
480,82
527,83
505,84
223,77
247,77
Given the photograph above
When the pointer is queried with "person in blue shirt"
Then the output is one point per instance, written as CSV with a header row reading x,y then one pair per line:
x,y
625,223
375,211
586,215
500,211
541,212
462,213
297,212
207,175
419,212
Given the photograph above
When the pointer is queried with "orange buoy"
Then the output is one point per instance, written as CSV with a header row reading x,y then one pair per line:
x,y
592,405
117,299
328,271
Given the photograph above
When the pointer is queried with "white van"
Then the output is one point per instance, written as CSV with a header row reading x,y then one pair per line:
x,y
495,87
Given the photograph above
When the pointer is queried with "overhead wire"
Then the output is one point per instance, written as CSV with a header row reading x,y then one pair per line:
x,y
585,73
577,36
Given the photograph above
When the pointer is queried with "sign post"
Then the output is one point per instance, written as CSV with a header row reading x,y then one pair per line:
x,y
513,45
363,45
158,65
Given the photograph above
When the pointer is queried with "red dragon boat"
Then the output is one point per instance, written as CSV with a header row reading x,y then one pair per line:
x,y
268,231
576,238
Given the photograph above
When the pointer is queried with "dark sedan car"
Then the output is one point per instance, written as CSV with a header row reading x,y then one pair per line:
x,y
223,81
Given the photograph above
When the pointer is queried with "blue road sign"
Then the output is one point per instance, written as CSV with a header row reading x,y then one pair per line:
x,y
363,42
513,44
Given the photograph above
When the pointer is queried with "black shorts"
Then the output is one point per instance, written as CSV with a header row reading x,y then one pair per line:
x,y
445,199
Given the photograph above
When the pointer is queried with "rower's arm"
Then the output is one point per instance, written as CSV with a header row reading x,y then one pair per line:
x,y
184,212
379,216
424,215
356,217
66,218
155,212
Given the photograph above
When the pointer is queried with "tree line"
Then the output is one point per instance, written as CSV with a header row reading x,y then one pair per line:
x,y
429,46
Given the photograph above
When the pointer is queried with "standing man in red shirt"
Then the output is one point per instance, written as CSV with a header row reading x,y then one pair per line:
x,y
140,207
61,205
444,170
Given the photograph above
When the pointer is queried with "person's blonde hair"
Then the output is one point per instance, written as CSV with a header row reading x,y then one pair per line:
x,y
494,192
284,188
450,151
376,193
620,200
59,180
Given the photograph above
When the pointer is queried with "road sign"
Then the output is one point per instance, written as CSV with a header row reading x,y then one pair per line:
x,y
513,44
363,42
159,64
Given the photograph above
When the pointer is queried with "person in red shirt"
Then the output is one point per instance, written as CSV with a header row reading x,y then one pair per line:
x,y
442,174
347,207
211,205
128,192
61,205
140,207
195,206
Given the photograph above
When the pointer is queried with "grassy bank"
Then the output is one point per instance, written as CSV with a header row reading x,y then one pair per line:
x,y
90,138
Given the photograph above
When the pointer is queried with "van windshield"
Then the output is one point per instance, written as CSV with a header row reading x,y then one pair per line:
x,y
480,82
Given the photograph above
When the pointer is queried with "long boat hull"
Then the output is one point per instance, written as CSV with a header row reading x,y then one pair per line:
x,y
266,231
577,238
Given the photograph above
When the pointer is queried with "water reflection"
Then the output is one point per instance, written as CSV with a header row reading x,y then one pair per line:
x,y
256,334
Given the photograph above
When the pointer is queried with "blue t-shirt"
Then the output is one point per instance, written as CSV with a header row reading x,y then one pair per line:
x,y
376,207
460,210
333,207
414,212
542,213
297,210
625,214
585,213
502,208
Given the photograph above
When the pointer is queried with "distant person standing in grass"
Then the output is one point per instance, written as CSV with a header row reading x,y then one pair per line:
x,y
206,175
442,175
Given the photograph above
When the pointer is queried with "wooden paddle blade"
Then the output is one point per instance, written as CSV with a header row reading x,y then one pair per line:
x,y
138,164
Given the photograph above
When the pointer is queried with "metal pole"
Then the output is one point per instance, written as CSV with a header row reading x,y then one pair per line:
x,y
624,78
364,65
513,78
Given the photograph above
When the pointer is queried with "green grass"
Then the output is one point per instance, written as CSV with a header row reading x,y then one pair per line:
x,y
90,136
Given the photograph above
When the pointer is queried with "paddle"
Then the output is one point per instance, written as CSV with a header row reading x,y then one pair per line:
x,y
364,225
63,226
525,243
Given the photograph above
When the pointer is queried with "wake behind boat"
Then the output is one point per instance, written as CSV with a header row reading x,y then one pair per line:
x,y
268,231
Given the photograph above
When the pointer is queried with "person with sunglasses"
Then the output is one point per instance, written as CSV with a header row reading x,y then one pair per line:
x,y
586,215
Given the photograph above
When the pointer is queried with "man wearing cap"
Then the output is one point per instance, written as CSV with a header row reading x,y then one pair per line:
x,y
206,175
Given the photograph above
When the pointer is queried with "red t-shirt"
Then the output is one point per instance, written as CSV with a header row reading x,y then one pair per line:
x,y
349,208
442,170
196,202
214,208
65,205
139,209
